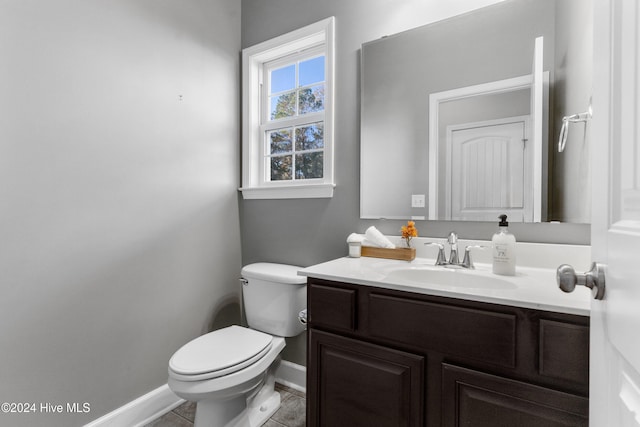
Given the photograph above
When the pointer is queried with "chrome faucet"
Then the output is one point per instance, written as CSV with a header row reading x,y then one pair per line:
x,y
453,253
452,240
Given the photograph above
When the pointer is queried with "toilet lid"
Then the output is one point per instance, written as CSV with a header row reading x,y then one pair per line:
x,y
225,350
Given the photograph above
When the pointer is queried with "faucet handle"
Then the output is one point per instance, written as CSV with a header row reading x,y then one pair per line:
x,y
441,257
467,262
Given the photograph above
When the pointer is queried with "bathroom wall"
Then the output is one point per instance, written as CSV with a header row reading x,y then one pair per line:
x,y
571,169
305,232
119,168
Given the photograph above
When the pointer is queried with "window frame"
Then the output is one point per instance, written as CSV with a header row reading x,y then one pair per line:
x,y
317,38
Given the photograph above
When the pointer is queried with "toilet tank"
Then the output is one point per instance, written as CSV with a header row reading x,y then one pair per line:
x,y
273,295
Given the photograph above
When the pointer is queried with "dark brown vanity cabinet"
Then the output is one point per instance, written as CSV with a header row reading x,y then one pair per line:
x,y
379,357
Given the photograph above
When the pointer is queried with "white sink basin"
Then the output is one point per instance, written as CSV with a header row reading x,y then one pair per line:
x,y
456,278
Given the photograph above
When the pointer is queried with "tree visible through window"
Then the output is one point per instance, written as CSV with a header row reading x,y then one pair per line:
x,y
296,97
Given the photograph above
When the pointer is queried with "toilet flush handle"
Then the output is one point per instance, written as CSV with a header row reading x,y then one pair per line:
x,y
244,281
302,317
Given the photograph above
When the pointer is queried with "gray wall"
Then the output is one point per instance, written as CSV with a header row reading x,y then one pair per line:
x,y
118,202
571,169
304,232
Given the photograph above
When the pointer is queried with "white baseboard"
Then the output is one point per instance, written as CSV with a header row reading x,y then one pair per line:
x,y
158,402
292,375
141,411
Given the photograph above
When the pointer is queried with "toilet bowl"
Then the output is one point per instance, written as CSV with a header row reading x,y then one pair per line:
x,y
230,373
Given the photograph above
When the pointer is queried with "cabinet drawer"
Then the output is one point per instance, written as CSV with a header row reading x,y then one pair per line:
x,y
471,333
472,398
331,307
564,351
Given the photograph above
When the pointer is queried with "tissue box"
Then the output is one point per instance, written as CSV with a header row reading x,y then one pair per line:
x,y
403,254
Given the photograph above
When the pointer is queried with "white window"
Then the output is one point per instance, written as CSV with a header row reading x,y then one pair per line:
x,y
287,113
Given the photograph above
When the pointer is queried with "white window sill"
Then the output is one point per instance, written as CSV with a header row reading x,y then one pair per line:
x,y
303,191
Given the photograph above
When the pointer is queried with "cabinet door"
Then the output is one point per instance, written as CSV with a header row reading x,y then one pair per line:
x,y
352,383
475,399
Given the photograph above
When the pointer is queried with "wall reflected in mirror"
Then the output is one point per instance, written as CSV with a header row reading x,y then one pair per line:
x,y
401,72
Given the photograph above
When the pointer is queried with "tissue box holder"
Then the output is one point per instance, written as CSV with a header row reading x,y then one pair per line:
x,y
403,254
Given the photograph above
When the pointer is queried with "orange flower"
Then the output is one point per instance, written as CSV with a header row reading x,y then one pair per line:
x,y
409,231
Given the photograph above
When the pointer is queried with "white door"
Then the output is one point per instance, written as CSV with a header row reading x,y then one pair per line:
x,y
488,171
615,321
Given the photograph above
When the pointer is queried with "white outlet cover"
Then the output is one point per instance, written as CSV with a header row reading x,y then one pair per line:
x,y
417,200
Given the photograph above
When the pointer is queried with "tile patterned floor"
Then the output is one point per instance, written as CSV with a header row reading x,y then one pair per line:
x,y
292,412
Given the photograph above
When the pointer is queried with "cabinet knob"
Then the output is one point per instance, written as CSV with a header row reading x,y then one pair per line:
x,y
593,279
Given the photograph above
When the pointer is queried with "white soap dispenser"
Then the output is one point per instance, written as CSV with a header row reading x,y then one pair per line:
x,y
504,249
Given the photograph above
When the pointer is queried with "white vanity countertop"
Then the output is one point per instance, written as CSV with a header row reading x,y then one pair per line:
x,y
531,287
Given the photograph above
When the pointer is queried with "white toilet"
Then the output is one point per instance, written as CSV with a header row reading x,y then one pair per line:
x,y
230,372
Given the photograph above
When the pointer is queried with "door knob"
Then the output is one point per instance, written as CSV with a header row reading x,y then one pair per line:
x,y
593,279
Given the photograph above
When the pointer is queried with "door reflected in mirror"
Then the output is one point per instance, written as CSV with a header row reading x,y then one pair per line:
x,y
484,161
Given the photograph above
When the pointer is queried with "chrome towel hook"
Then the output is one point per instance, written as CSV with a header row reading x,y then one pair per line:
x,y
575,118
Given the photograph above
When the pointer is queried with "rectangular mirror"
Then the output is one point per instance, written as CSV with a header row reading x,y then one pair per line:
x,y
416,127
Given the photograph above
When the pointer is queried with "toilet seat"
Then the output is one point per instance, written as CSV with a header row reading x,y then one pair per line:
x,y
219,353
